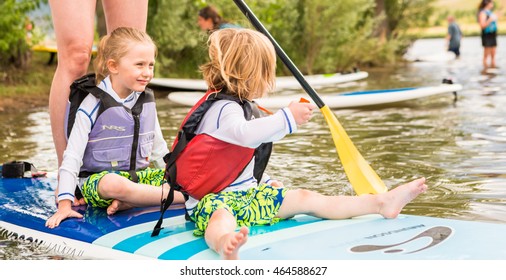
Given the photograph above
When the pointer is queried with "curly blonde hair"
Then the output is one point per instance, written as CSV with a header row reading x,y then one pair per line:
x,y
115,46
242,61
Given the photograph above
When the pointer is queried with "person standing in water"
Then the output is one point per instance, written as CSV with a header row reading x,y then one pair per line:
x,y
453,36
488,24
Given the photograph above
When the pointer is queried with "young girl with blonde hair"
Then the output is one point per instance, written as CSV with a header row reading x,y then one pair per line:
x,y
242,68
115,134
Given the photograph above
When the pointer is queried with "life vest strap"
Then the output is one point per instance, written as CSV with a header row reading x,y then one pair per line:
x,y
170,177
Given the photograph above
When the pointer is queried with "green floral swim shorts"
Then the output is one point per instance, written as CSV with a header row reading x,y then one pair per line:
x,y
148,176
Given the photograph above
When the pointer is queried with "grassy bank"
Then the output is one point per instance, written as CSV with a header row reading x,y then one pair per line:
x,y
468,29
23,89
464,12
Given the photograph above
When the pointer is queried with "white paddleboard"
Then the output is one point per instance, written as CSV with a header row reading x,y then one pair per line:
x,y
494,138
336,101
285,82
433,57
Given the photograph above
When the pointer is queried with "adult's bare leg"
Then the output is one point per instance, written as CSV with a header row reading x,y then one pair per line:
x,y
73,23
492,57
125,13
486,55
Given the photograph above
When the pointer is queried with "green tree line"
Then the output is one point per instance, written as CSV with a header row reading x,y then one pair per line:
x,y
320,36
16,34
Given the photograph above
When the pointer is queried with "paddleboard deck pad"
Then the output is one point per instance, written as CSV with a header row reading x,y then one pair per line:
x,y
284,82
338,100
25,204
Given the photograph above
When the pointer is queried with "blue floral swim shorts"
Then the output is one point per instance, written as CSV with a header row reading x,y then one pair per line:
x,y
255,206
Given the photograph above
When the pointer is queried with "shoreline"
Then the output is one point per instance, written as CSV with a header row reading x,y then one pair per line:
x,y
12,104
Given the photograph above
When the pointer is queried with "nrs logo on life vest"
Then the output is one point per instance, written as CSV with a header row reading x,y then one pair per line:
x,y
113,127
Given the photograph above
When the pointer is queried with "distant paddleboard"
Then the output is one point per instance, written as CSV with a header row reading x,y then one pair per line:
x,y
489,137
44,48
435,57
336,101
491,90
53,49
285,82
493,71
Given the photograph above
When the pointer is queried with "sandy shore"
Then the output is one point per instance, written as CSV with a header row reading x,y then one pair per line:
x,y
11,104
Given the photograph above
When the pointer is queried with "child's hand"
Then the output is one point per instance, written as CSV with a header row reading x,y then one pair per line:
x,y
301,112
64,211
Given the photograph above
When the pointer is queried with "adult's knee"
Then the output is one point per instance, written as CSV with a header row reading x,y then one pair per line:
x,y
75,58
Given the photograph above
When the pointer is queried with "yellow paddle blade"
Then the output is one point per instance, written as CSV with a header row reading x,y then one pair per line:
x,y
362,177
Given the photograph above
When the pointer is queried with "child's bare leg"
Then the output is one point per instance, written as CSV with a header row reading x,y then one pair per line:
x,y
388,204
220,235
127,194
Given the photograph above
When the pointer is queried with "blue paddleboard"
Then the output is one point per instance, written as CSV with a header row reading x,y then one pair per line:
x,y
25,204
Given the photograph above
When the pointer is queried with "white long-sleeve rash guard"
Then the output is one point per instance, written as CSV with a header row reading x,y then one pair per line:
x,y
78,139
225,121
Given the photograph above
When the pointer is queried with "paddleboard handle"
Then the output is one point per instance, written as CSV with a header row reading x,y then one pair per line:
x,y
17,169
450,82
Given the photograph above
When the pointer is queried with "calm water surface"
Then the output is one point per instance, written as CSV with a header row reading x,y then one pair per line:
x,y
460,147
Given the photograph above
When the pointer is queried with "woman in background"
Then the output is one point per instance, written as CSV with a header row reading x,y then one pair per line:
x,y
210,20
488,24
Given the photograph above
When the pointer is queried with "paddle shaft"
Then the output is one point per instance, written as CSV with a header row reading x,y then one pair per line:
x,y
280,52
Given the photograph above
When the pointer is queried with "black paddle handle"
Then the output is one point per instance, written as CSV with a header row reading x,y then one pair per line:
x,y
282,55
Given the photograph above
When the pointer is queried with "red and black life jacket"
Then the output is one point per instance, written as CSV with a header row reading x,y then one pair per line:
x,y
204,164
201,164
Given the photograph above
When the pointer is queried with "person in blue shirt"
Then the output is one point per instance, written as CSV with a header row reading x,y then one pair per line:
x,y
488,24
210,20
453,36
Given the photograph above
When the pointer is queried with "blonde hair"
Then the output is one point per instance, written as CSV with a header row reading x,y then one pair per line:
x,y
242,61
115,45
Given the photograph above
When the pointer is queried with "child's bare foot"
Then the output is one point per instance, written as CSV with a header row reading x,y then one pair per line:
x,y
116,206
230,244
392,202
